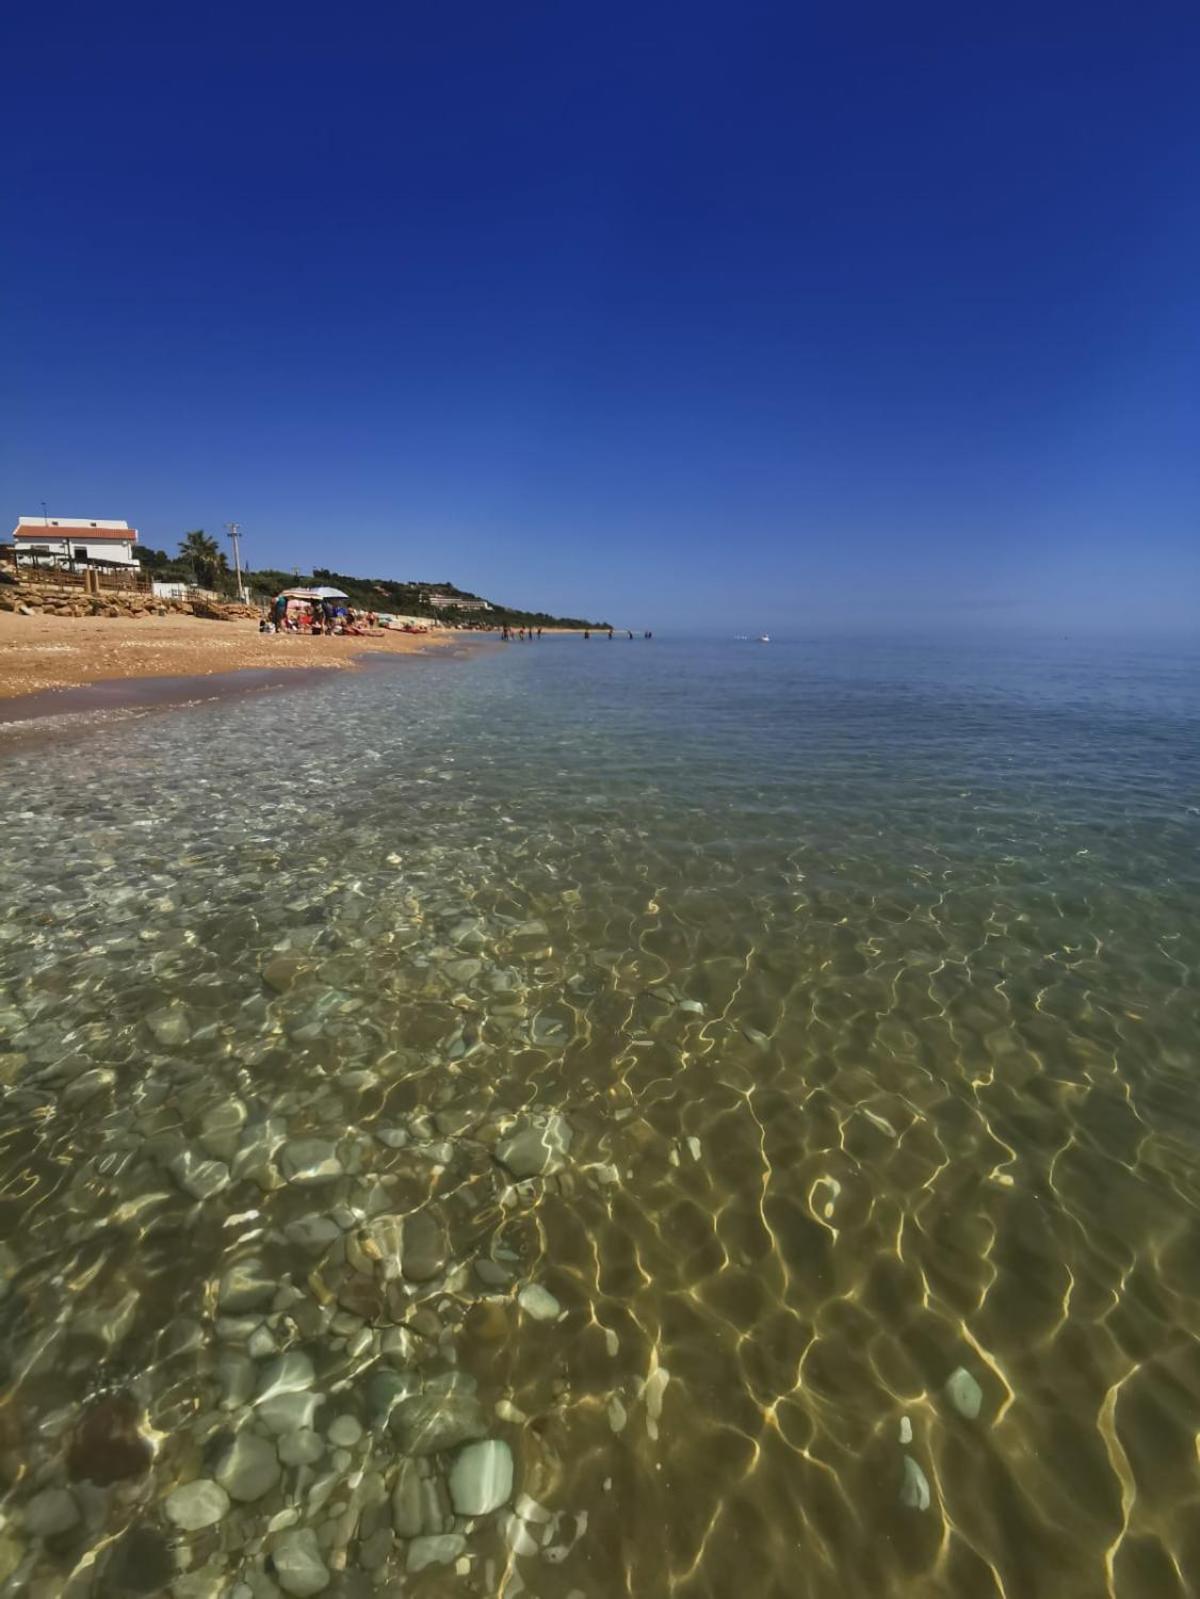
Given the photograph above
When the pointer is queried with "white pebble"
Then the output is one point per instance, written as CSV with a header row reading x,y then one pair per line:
x,y
481,1478
914,1490
529,1510
345,1431
653,1389
539,1303
516,1536
964,1393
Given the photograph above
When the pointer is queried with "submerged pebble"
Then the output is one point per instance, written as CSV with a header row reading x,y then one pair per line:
x,y
170,1024
539,1303
297,1563
423,1249
301,1448
199,1177
107,1447
964,1393
197,1505
249,1468
291,1373
408,1514
653,1389
518,1536
245,1286
536,1148
914,1489
345,1431
438,1550
481,1479
309,1162
51,1512
284,1413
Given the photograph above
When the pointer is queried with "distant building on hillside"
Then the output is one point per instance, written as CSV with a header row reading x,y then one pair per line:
x,y
56,540
455,602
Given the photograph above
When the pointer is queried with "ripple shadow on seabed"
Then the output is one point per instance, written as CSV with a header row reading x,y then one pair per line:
x,y
437,1185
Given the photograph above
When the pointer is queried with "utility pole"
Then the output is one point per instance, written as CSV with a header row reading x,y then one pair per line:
x,y
235,534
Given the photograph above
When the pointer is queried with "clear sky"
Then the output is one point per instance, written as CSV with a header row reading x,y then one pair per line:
x,y
688,314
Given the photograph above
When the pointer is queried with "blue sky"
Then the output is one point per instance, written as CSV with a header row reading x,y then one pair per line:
x,y
704,315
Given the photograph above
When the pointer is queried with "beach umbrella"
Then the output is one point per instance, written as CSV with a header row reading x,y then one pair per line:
x,y
329,594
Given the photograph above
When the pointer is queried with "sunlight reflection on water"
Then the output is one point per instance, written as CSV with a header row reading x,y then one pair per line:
x,y
754,1087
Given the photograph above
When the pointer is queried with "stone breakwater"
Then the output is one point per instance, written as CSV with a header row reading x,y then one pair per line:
x,y
312,1430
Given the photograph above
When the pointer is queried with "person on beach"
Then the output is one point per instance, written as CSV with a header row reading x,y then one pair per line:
x,y
586,634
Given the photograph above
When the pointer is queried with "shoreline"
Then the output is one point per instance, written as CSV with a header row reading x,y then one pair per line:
x,y
26,712
55,666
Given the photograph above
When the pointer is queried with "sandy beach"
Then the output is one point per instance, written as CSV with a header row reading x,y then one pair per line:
x,y
38,653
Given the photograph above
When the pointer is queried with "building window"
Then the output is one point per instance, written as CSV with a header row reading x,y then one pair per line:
x,y
81,553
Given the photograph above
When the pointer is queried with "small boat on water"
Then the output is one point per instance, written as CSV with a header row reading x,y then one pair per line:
x,y
764,638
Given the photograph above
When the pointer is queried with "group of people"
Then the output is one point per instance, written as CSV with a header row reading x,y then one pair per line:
x,y
507,633
317,617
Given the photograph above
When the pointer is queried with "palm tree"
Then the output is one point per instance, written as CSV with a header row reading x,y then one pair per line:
x,y
204,555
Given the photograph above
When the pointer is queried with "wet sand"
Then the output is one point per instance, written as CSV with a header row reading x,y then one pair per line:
x,y
43,654
28,712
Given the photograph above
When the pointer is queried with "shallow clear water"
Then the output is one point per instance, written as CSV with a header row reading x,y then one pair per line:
x,y
846,995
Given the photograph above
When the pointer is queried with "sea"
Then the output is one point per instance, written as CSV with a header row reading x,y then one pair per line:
x,y
604,1118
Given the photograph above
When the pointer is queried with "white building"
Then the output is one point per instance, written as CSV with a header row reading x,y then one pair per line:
x,y
56,539
455,602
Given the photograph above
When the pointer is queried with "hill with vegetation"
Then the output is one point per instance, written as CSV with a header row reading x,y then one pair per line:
x,y
202,562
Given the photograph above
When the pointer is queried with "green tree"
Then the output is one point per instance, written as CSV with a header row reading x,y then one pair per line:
x,y
152,560
204,555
